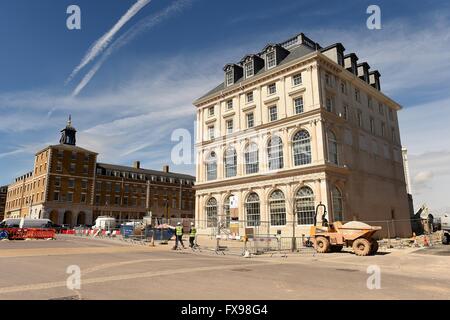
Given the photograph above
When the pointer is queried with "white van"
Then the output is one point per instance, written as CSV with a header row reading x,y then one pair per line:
x,y
27,223
105,223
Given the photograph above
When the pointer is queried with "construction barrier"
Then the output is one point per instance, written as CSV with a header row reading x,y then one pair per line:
x,y
28,233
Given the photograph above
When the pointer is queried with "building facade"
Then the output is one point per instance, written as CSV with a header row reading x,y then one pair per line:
x,y
69,186
291,127
3,194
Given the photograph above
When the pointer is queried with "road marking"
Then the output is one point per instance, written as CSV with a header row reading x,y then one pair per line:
x,y
60,284
14,253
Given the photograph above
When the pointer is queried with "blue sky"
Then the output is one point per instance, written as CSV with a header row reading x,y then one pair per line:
x,y
146,83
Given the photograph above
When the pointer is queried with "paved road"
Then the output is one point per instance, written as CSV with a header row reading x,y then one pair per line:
x,y
116,270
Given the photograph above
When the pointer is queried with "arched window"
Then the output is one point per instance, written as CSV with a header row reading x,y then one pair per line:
x,y
275,153
251,159
304,206
211,166
230,162
252,210
332,148
338,208
211,213
301,145
227,211
277,205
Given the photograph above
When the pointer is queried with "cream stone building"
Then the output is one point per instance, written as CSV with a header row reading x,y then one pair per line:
x,y
293,126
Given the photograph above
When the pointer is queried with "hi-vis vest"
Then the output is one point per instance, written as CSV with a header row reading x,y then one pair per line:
x,y
179,230
193,232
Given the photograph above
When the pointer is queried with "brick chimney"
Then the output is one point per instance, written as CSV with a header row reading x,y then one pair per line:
x,y
166,169
137,164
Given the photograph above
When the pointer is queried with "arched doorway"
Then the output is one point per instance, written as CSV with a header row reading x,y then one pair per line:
x,y
68,218
54,217
81,218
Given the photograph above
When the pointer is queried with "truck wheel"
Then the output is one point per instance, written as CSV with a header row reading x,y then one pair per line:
x,y
374,247
446,239
361,247
322,244
336,248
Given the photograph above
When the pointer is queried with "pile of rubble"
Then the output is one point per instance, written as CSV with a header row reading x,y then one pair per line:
x,y
425,240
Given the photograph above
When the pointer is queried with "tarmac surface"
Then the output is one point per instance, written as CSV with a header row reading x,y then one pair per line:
x,y
112,269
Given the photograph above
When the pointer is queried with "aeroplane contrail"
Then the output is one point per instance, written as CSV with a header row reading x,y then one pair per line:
x,y
137,29
103,42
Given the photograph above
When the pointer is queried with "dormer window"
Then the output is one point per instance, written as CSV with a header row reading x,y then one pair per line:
x,y
249,70
271,60
229,77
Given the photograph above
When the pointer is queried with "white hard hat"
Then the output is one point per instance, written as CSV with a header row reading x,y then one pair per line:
x,y
178,223
192,223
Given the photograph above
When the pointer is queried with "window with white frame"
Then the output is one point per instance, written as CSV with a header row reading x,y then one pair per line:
x,y
251,159
271,59
229,77
393,134
211,132
211,213
275,153
357,95
329,104
227,210
327,79
249,70
343,87
381,108
273,114
211,166
229,125
230,104
210,111
252,210
301,147
298,105
230,162
249,97
297,80
338,208
345,112
277,206
383,129
250,120
304,206
71,183
332,148
360,119
271,88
